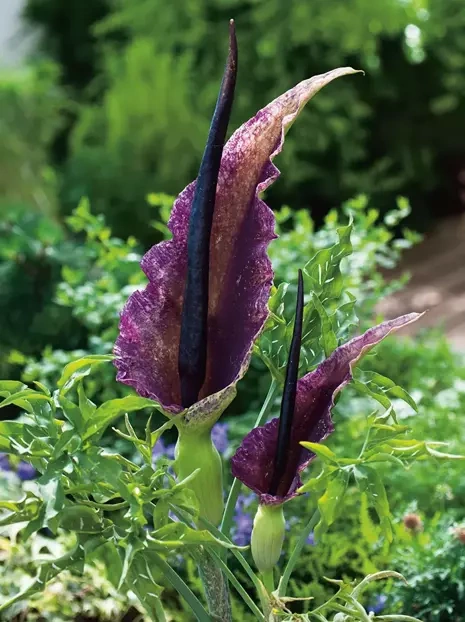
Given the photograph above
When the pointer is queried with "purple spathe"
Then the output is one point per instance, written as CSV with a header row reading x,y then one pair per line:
x,y
240,270
252,463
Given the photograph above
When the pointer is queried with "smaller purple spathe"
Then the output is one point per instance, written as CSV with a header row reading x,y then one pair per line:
x,y
253,462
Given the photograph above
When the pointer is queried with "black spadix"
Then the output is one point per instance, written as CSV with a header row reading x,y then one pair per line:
x,y
289,394
192,362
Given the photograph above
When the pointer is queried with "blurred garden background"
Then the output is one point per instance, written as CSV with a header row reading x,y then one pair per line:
x,y
104,111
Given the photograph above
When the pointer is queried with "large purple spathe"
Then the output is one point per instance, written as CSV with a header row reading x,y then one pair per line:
x,y
240,270
253,462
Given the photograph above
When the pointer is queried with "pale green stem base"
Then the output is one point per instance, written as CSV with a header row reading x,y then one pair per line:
x,y
268,581
216,588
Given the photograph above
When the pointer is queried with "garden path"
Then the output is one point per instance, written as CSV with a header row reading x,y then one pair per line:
x,y
437,268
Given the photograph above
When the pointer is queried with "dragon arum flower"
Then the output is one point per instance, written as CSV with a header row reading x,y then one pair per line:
x,y
270,458
186,339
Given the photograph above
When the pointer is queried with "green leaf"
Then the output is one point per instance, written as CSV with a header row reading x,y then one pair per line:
x,y
328,337
111,410
442,455
46,572
76,370
68,442
71,411
330,503
328,315
317,484
109,556
86,406
386,386
323,452
8,387
11,436
80,519
324,271
141,581
132,545
370,482
25,510
24,398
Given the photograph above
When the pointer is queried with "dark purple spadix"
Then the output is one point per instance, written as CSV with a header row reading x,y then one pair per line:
x,y
289,394
192,363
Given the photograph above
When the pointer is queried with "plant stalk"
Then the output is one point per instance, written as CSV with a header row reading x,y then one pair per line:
x,y
216,588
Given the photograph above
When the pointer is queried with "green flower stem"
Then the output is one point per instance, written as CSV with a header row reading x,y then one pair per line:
x,y
195,451
216,587
236,485
268,581
282,588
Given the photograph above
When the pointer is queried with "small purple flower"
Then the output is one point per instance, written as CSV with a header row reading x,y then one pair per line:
x,y
4,462
378,605
243,520
26,471
161,450
311,539
220,436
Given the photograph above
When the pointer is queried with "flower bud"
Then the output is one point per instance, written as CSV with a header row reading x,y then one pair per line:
x,y
267,536
195,450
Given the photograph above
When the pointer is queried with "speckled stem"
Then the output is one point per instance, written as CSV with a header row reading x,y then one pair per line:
x,y
216,588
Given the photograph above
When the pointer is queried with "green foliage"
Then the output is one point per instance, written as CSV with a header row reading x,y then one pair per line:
x,y
111,505
30,106
154,70
32,251
67,596
119,509
32,247
341,265
434,566
121,149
